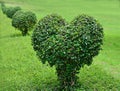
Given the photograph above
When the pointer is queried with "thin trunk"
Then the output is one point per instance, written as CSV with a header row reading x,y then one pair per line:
x,y
67,77
24,32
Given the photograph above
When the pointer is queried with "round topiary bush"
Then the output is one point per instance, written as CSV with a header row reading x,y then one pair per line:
x,y
70,48
10,11
24,21
4,8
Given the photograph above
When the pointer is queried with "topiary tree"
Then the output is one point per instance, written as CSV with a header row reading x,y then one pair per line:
x,y
67,46
3,7
10,11
46,28
24,21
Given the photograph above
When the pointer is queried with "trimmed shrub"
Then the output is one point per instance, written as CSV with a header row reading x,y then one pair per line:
x,y
24,21
70,48
46,28
10,11
91,35
4,8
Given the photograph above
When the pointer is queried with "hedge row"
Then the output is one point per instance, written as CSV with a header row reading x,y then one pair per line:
x,y
23,21
67,46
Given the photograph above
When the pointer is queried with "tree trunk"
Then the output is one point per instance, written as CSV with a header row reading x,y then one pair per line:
x,y
67,76
24,32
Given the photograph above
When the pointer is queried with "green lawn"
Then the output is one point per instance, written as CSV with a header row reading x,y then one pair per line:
x,y
20,70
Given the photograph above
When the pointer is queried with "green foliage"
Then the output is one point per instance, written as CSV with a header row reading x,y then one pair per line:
x,y
46,28
90,35
10,11
24,21
4,8
69,47
21,70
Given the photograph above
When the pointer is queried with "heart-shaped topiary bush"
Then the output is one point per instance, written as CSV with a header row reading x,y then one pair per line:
x,y
67,46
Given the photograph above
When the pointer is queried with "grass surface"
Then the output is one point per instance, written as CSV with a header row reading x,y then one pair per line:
x,y
20,70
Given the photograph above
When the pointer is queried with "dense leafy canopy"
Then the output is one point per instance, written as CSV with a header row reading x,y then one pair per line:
x,y
91,37
10,11
46,29
24,21
4,8
67,46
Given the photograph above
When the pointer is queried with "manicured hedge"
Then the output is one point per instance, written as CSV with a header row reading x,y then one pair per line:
x,y
4,8
24,21
67,46
10,11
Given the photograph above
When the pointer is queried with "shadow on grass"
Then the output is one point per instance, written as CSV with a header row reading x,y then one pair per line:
x,y
20,35
16,35
13,36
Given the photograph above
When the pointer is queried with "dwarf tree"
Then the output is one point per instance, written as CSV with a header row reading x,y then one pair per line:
x,y
3,7
10,11
24,21
67,46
